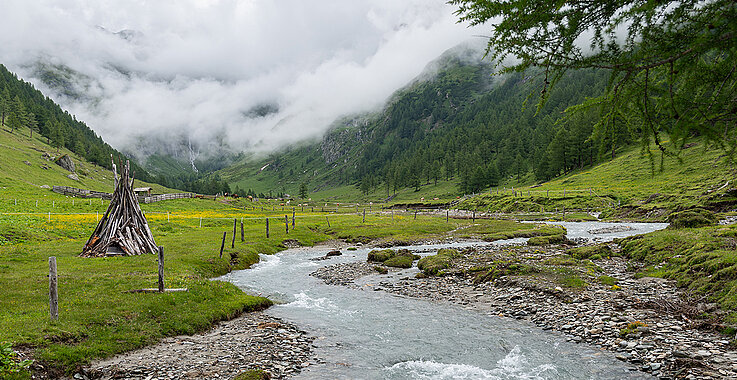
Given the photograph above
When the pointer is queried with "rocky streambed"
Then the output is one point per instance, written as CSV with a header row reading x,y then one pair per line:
x,y
253,341
646,322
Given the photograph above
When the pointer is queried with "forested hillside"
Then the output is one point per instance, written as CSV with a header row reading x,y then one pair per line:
x,y
460,124
436,130
22,105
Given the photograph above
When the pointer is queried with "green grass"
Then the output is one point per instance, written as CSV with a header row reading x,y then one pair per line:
x,y
380,255
253,374
607,280
627,187
590,252
701,259
99,318
502,268
548,239
400,261
435,264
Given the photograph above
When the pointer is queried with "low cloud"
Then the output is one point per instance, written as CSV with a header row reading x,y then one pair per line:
x,y
178,70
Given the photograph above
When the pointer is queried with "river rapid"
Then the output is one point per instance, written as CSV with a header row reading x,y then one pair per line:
x,y
367,334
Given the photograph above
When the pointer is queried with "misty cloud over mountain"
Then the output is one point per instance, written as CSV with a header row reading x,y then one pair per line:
x,y
248,75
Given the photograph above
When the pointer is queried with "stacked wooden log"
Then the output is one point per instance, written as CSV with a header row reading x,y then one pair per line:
x,y
123,230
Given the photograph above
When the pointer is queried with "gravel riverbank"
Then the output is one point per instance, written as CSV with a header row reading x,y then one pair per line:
x,y
646,322
252,341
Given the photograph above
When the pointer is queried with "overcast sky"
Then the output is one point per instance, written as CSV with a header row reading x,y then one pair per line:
x,y
194,68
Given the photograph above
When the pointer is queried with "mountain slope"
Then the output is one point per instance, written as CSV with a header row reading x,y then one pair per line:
x,y
457,123
631,186
27,163
22,105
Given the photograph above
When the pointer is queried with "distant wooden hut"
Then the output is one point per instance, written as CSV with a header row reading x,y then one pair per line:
x,y
123,230
143,191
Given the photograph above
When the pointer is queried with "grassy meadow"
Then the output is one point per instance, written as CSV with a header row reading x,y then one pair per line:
x,y
631,186
98,317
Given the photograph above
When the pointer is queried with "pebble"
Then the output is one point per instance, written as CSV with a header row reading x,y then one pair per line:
x,y
252,341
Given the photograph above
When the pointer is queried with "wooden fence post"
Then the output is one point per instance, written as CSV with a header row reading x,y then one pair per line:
x,y
222,245
446,215
415,214
243,238
292,218
161,269
364,216
328,220
474,217
267,228
286,222
53,290
232,243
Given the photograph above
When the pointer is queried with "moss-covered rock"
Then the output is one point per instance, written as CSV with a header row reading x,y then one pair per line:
x,y
400,261
381,255
432,265
590,251
381,269
503,268
547,240
253,374
692,218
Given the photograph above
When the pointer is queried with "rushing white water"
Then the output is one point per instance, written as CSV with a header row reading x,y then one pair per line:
x,y
367,334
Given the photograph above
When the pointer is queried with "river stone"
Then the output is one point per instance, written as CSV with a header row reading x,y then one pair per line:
x,y
65,162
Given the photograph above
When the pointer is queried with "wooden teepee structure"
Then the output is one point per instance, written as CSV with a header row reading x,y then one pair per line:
x,y
123,230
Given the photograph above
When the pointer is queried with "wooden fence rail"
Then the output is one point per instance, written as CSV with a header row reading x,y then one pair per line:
x,y
84,193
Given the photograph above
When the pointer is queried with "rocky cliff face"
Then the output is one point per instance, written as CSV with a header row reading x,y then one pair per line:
x,y
337,144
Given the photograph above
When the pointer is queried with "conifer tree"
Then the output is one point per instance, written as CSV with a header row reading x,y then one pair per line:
x,y
672,64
